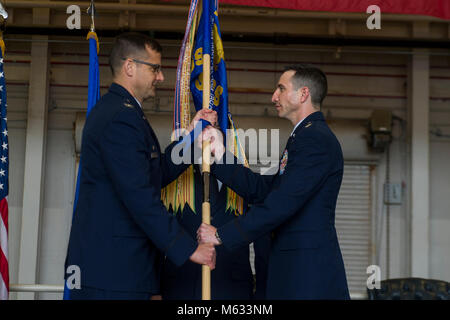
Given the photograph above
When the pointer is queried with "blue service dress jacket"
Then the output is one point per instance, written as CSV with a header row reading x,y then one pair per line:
x,y
120,226
298,206
232,278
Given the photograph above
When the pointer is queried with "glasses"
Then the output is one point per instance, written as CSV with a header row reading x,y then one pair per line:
x,y
156,67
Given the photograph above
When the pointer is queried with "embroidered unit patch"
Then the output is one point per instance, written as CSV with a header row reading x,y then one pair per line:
x,y
283,162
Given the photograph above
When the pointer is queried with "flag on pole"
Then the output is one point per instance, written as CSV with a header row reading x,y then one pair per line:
x,y
93,97
208,40
202,36
4,183
93,90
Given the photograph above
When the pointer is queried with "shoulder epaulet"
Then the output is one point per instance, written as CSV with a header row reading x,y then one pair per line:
x,y
127,104
309,124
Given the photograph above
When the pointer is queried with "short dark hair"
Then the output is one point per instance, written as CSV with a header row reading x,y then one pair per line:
x,y
130,45
307,75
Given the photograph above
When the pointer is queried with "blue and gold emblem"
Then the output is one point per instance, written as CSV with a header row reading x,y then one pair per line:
x,y
283,161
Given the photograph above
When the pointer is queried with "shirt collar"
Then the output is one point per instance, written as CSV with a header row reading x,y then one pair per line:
x,y
297,125
315,116
138,102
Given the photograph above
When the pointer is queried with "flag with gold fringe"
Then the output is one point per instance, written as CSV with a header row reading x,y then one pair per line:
x,y
181,191
203,24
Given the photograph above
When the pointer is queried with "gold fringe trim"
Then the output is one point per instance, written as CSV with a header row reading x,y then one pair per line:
x,y
182,191
2,44
93,35
235,203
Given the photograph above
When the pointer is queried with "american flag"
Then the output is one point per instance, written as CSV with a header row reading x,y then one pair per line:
x,y
4,166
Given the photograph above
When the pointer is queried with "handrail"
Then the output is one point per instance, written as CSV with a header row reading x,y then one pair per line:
x,y
35,288
359,296
58,288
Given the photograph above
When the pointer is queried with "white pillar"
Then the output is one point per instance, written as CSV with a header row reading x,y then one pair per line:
x,y
419,98
34,163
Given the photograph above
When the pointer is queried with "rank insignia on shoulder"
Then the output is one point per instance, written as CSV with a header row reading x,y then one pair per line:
x,y
127,103
309,124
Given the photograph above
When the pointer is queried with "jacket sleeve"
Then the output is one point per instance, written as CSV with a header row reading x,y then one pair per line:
x,y
252,186
127,160
306,170
177,157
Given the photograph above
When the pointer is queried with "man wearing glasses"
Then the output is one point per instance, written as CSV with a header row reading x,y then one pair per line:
x,y
120,228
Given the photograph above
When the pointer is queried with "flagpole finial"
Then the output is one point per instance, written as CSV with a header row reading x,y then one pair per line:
x,y
91,11
4,15
92,34
3,11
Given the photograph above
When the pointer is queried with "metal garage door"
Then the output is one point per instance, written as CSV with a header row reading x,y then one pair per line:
x,y
354,224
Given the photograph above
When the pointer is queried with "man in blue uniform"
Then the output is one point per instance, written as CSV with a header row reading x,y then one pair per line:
x,y
298,204
120,227
232,279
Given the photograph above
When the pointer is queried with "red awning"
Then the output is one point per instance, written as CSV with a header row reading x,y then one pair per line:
x,y
436,8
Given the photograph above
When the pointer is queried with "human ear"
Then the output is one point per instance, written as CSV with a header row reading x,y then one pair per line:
x,y
128,68
304,94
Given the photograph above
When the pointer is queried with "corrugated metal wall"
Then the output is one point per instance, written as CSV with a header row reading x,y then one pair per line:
x,y
354,224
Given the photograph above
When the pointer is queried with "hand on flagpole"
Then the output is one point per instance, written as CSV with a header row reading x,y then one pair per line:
x,y
216,139
205,114
205,254
206,234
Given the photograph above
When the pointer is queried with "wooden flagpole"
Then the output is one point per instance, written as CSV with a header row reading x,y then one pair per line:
x,y
206,155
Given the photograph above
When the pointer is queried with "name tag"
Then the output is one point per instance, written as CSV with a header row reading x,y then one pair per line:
x,y
154,155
